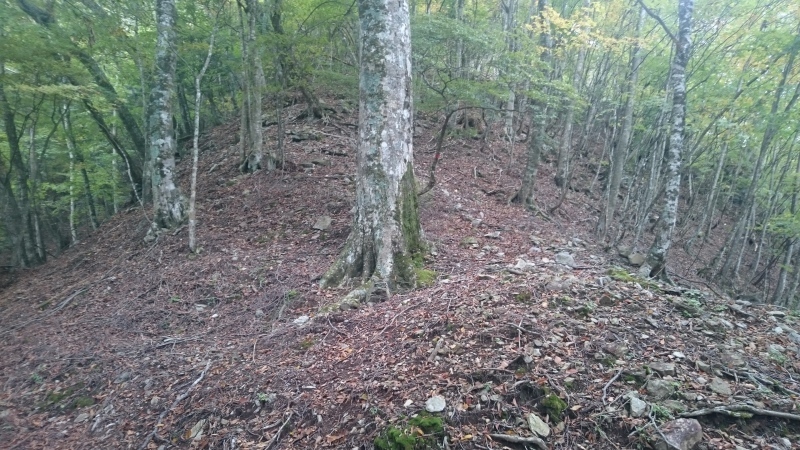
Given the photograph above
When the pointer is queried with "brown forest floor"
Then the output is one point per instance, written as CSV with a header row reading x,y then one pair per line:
x,y
118,338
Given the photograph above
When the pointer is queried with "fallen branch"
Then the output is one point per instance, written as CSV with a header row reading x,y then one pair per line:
x,y
278,433
610,382
741,411
520,440
164,413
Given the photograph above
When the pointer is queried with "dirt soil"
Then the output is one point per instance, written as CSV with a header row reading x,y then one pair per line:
x,y
123,343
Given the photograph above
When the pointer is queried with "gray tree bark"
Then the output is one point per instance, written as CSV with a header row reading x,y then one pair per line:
x,y
620,151
657,255
386,234
168,203
538,124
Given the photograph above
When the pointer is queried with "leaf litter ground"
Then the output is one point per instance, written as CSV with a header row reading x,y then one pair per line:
x,y
119,343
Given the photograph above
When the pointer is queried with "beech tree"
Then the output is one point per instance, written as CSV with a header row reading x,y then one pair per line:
x,y
657,255
386,233
168,203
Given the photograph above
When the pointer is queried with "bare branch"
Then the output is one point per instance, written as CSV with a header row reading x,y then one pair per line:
x,y
658,19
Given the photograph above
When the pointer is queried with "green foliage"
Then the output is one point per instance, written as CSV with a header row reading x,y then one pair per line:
x,y
422,431
554,406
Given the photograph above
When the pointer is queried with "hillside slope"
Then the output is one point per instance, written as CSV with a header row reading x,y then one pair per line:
x,y
122,343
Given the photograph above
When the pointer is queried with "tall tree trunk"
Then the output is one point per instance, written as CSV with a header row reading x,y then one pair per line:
x,y
254,78
77,155
538,129
16,223
196,142
168,203
657,255
786,267
386,233
619,152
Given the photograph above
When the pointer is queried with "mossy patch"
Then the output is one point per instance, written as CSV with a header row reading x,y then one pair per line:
x,y
620,274
523,297
423,431
82,402
425,277
554,406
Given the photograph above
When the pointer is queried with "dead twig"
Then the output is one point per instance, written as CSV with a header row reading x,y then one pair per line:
x,y
278,433
610,382
520,440
741,411
164,413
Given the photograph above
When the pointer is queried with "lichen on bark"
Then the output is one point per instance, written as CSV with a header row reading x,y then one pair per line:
x,y
386,236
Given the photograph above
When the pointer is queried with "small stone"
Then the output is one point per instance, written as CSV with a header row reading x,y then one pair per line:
x,y
704,366
679,355
659,389
301,320
679,434
638,407
322,223
435,404
524,266
123,377
624,251
82,417
259,313
776,348
565,259
731,359
155,401
493,235
637,259
663,368
617,349
720,386
538,426
777,313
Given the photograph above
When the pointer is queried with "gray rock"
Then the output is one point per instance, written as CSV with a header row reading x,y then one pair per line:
x,y
624,251
492,235
637,259
322,223
302,320
659,389
777,313
82,417
566,259
638,407
617,349
720,386
663,368
123,377
680,434
644,271
538,426
524,266
731,359
259,313
435,404
704,366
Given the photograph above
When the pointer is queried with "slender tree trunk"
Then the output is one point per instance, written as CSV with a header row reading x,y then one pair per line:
x,y
657,255
619,152
196,142
786,267
386,232
169,204
739,230
538,125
